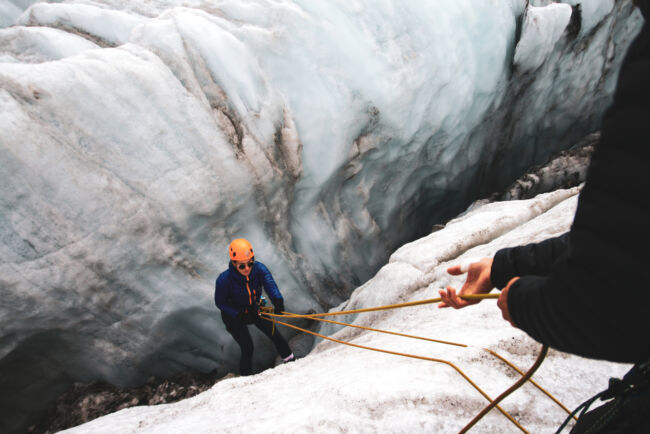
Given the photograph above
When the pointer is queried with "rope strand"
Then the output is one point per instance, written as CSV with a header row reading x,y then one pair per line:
x,y
522,380
391,306
430,359
268,316
493,353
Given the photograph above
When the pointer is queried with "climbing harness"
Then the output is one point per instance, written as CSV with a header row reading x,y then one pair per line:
x,y
269,316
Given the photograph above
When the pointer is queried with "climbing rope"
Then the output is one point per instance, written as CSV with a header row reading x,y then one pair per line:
x,y
413,356
492,403
522,380
392,306
493,353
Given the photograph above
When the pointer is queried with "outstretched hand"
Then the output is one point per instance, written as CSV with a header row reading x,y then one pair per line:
x,y
477,282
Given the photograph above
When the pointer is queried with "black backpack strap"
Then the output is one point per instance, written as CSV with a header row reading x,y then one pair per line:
x,y
636,380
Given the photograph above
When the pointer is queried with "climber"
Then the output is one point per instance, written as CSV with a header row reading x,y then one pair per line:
x,y
586,292
238,292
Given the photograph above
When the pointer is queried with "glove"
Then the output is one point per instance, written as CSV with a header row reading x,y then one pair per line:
x,y
278,306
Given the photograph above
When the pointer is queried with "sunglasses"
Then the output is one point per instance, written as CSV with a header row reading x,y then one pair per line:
x,y
248,264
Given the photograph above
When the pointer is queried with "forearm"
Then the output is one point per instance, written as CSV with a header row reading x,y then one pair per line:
x,y
551,316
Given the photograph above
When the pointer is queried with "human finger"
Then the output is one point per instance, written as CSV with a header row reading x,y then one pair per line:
x,y
455,301
445,298
506,315
456,270
502,302
449,298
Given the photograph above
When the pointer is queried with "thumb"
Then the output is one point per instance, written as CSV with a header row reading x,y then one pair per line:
x,y
455,270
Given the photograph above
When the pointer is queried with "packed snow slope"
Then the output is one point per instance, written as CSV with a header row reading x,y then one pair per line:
x,y
139,138
338,388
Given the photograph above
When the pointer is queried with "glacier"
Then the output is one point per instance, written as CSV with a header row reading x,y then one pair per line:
x,y
338,388
139,138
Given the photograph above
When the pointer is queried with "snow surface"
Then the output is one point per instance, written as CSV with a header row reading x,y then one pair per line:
x,y
139,138
109,26
343,389
40,44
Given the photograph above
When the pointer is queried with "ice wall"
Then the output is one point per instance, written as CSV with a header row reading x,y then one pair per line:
x,y
339,388
10,10
138,138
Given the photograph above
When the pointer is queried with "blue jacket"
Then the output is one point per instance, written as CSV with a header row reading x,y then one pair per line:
x,y
233,294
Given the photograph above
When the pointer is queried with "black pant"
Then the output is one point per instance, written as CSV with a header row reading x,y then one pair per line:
x,y
239,331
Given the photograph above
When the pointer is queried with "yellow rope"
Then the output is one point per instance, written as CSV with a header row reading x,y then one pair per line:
x,y
493,353
288,315
525,376
522,380
553,398
413,356
392,306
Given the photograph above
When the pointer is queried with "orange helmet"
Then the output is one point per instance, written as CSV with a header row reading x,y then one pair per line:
x,y
241,250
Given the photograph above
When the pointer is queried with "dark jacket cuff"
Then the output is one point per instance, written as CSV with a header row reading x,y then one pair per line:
x,y
527,307
502,269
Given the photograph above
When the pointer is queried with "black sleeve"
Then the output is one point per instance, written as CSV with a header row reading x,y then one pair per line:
x,y
537,306
594,301
531,259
